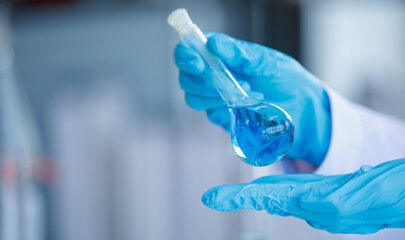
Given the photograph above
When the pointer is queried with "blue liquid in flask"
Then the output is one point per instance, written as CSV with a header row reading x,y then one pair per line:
x,y
261,133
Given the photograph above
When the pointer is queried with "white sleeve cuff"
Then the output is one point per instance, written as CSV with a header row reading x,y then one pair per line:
x,y
346,139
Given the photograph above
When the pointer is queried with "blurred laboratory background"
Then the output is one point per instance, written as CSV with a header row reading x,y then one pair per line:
x,y
97,143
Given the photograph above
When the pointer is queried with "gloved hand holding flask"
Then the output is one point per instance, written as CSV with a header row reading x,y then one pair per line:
x,y
266,75
261,132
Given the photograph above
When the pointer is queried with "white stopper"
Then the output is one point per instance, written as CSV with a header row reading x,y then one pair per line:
x,y
178,19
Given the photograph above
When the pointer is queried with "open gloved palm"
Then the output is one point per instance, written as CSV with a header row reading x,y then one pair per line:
x,y
363,202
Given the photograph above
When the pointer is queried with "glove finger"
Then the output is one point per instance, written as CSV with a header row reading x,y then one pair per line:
x,y
352,228
282,199
200,86
290,178
244,57
197,85
246,87
256,95
254,196
221,117
283,196
188,60
200,103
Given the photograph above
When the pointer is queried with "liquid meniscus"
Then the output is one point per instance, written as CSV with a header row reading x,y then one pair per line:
x,y
261,133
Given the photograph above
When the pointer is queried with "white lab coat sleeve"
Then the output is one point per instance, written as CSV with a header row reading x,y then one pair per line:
x,y
360,136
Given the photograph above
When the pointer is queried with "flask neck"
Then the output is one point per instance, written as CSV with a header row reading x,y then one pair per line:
x,y
229,89
227,86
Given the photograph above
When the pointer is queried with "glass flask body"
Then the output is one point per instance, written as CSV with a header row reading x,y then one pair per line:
x,y
261,133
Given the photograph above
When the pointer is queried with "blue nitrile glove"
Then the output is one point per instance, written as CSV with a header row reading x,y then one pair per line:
x,y
280,79
362,202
